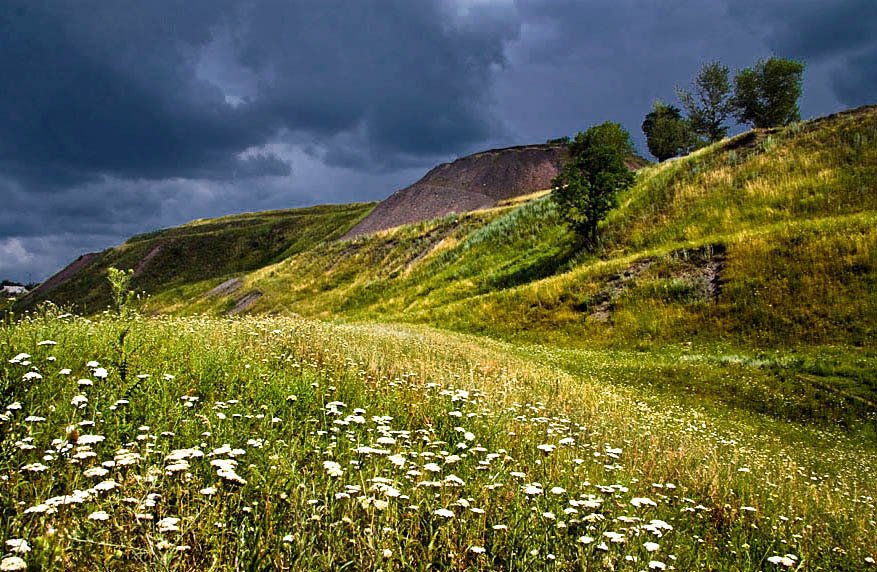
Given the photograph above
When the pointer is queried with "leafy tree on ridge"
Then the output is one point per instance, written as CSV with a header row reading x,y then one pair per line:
x,y
668,134
710,104
767,94
586,188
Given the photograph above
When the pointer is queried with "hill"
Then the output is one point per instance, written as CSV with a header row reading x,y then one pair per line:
x,y
699,393
477,181
214,249
469,183
721,245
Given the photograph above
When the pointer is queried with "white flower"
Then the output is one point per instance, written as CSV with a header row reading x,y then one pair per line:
x,y
333,469
95,472
32,376
443,512
657,565
614,536
177,467
586,539
47,343
533,489
104,486
182,454
35,468
477,549
40,508
12,563
288,538
365,450
642,501
99,515
79,401
208,491
557,490
18,545
547,448
226,470
651,546
168,524
387,553
788,560
89,439
19,358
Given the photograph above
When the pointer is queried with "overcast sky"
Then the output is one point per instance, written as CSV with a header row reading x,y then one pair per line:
x,y
118,117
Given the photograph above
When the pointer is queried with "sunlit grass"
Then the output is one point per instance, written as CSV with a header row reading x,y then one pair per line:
x,y
264,443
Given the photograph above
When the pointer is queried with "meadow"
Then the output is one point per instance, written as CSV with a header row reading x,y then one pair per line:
x,y
180,443
697,393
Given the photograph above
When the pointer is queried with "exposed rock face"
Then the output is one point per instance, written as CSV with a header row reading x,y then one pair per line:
x,y
68,272
226,288
469,183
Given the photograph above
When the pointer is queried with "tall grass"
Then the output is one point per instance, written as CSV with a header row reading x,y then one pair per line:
x,y
375,446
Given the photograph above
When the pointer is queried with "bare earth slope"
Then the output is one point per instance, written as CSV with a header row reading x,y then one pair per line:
x,y
467,184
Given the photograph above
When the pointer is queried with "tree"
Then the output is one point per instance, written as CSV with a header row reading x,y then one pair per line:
x,y
586,188
710,104
767,94
668,134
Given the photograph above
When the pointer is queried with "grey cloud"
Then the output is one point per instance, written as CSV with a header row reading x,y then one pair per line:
x,y
841,36
128,89
122,117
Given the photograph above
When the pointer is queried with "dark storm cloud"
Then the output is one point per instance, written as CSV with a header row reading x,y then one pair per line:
x,y
118,117
839,35
123,89
588,63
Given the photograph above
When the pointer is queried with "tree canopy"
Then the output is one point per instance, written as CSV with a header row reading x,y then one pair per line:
x,y
587,186
709,105
767,94
668,134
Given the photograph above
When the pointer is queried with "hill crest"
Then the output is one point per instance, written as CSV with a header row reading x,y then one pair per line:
x,y
469,183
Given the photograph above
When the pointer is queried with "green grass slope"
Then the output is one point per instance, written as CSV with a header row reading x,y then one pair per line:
x,y
698,394
764,240
281,443
203,252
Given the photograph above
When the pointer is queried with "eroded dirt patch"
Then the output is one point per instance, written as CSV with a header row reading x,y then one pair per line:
x,y
695,276
245,302
228,287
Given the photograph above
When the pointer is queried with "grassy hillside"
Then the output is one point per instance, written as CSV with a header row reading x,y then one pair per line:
x,y
270,443
205,250
697,394
765,240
